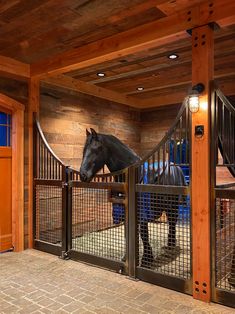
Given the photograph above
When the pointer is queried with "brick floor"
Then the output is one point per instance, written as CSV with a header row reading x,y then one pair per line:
x,y
36,282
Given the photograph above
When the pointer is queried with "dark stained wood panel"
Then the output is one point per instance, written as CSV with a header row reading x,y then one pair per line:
x,y
59,26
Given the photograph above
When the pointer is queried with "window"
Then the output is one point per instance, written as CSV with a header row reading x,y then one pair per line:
x,y
5,129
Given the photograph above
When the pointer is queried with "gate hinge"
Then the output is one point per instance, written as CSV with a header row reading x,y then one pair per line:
x,y
64,255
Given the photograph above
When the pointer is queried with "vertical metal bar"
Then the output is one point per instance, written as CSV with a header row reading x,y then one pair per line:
x,y
64,209
213,156
131,239
69,208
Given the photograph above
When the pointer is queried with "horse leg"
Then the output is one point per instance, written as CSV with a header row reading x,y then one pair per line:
x,y
147,258
172,219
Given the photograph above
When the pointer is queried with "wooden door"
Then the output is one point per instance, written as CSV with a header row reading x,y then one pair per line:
x,y
5,182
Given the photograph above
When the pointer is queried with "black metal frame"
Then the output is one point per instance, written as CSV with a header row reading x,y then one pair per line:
x,y
219,103
48,171
128,182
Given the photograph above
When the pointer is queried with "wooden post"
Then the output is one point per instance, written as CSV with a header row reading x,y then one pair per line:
x,y
18,180
34,94
202,72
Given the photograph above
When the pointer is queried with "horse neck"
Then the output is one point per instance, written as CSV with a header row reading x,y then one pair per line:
x,y
118,155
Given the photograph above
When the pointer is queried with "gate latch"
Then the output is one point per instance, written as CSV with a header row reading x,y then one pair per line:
x,y
64,184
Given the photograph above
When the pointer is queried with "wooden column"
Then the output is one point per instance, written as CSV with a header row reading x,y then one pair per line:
x,y
34,94
18,180
202,72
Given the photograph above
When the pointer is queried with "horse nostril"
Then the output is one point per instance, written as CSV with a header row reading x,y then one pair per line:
x,y
83,177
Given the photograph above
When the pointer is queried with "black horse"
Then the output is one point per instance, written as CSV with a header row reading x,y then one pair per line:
x,y
102,149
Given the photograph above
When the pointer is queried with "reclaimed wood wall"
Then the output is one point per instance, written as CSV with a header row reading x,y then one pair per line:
x,y
64,118
154,124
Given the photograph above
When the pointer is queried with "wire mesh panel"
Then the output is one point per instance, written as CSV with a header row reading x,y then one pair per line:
x,y
49,197
223,228
225,244
48,214
169,252
93,228
163,209
98,219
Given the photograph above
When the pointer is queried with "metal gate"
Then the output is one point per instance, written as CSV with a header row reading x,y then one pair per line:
x,y
223,211
160,203
50,197
104,222
93,235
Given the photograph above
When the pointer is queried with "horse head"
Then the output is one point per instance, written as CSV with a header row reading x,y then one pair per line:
x,y
93,156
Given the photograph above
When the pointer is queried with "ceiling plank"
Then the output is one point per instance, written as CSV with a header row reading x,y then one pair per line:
x,y
70,83
152,34
14,68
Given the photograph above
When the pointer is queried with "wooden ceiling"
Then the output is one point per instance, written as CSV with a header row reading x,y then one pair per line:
x,y
34,30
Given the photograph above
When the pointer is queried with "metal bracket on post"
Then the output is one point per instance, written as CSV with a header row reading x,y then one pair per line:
x,y
64,255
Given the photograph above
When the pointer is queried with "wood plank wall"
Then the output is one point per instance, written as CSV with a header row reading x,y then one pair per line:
x,y
154,124
65,117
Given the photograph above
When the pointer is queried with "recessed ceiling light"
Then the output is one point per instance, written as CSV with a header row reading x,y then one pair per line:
x,y
173,56
100,74
140,88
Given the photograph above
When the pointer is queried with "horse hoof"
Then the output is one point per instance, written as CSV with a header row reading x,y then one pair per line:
x,y
123,259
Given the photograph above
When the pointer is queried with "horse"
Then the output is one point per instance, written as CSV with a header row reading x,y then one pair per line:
x,y
103,149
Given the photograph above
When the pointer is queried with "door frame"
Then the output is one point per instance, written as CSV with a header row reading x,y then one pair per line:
x,y
17,111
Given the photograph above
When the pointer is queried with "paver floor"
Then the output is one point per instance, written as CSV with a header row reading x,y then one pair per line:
x,y
36,282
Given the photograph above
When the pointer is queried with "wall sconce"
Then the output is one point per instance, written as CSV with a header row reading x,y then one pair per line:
x,y
193,98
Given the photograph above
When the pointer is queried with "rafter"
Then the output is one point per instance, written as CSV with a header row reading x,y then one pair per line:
x,y
70,83
153,34
14,68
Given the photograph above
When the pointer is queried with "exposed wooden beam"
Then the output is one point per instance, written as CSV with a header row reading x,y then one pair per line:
x,y
153,34
14,68
70,83
163,99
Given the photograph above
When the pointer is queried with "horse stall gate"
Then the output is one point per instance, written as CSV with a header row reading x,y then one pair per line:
x,y
223,213
161,186
116,220
107,221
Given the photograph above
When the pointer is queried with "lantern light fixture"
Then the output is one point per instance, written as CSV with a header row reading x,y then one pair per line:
x,y
193,97
140,88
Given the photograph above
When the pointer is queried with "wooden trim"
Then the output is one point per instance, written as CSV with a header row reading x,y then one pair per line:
x,y
154,34
34,96
17,110
14,68
202,72
5,152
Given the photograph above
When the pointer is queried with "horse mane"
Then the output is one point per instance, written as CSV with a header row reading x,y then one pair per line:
x,y
115,140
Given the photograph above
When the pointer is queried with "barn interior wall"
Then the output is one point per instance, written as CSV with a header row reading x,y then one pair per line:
x,y
154,125
64,118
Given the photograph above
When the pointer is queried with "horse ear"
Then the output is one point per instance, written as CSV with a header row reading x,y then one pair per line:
x,y
87,133
94,134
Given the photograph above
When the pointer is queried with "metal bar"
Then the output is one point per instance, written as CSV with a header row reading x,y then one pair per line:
x,y
163,189
132,221
116,186
166,281
224,193
46,247
97,260
48,182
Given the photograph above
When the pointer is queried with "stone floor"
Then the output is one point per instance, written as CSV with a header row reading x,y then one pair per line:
x,y
36,282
